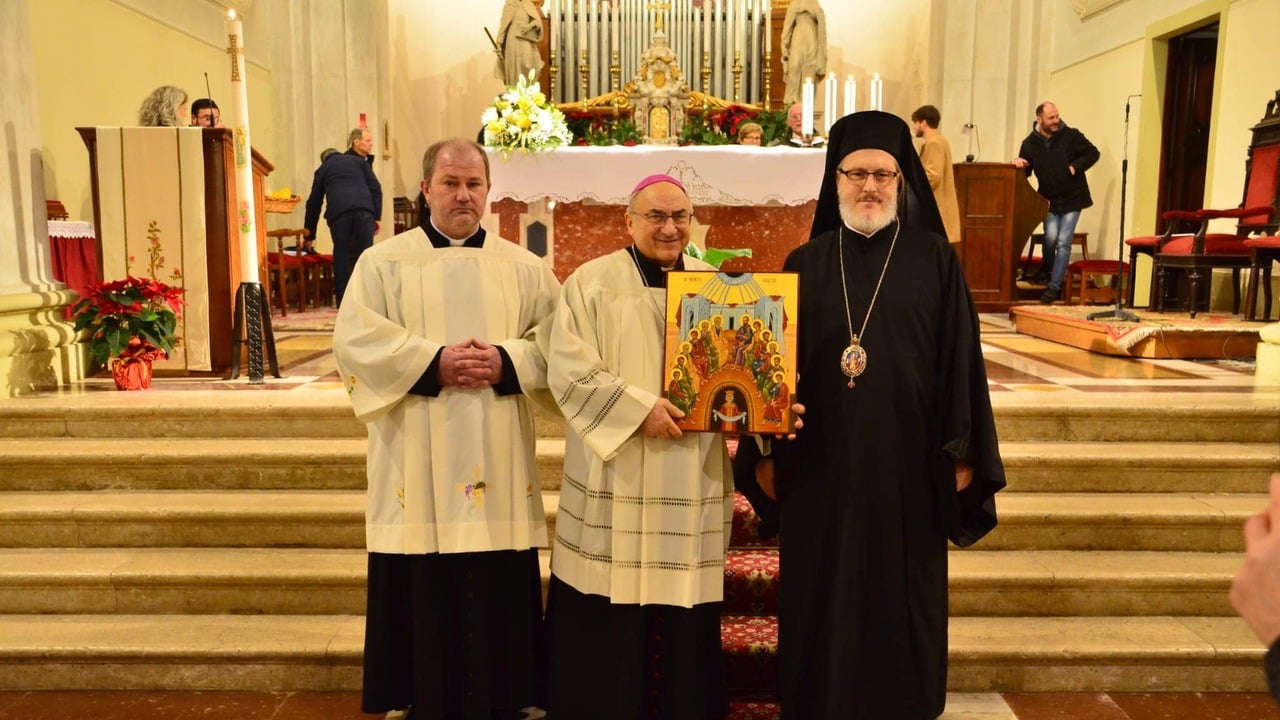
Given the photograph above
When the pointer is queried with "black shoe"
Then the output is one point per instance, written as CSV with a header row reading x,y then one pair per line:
x,y
1048,297
1040,278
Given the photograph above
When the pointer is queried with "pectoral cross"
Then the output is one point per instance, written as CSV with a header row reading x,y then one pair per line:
x,y
663,6
233,52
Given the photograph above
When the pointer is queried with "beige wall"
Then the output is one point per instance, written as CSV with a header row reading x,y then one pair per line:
x,y
95,61
1099,60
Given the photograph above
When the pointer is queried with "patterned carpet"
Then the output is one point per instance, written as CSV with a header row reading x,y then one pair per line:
x,y
313,320
1127,334
749,625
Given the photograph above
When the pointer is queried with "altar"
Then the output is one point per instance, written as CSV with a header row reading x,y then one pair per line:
x,y
568,205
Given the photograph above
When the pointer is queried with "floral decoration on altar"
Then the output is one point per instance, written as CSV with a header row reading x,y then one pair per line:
x,y
702,128
522,119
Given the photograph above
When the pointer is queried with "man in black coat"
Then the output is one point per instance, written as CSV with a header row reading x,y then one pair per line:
x,y
1059,156
898,453
345,183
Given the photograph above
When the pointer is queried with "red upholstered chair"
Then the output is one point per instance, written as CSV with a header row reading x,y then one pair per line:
x,y
286,270
1264,251
319,272
1203,251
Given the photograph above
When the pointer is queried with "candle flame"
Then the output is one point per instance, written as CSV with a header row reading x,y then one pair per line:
x,y
231,14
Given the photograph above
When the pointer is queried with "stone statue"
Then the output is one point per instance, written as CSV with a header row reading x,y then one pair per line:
x,y
519,33
804,47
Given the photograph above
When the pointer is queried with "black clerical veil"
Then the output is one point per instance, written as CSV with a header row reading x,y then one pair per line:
x,y
882,131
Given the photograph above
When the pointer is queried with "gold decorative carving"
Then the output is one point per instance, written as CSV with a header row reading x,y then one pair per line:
x,y
659,123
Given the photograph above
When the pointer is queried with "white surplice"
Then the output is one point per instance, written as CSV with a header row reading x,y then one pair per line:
x,y
641,520
453,473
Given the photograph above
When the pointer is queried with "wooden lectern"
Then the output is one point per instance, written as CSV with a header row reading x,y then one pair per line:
x,y
148,204
998,211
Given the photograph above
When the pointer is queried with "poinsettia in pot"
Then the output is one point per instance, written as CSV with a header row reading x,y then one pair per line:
x,y
130,323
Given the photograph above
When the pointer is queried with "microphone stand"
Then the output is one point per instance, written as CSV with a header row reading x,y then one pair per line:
x,y
1118,312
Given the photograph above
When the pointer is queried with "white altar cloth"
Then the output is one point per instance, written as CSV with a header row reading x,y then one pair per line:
x,y
729,175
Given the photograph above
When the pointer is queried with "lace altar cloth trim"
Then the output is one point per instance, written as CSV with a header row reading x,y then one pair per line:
x,y
70,229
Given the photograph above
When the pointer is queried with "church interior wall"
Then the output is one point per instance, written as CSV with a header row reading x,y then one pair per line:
x,y
95,61
1091,95
442,67
1249,71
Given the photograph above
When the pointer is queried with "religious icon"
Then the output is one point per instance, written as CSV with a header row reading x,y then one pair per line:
x,y
730,350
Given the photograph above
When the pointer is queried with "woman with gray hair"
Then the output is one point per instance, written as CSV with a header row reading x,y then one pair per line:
x,y
166,106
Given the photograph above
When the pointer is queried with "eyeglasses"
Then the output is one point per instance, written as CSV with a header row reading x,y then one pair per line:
x,y
859,177
659,219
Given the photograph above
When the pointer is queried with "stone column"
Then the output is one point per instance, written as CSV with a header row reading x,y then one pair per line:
x,y
37,347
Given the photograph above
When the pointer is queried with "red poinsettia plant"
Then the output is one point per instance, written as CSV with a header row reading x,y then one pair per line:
x,y
130,319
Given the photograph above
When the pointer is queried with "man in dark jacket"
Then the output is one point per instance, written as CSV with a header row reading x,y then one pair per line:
x,y
353,205
1059,156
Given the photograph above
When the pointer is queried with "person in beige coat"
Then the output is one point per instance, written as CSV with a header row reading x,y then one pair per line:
x,y
935,155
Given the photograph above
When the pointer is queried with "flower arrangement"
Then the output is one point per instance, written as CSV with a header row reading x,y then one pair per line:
x,y
522,119
129,320
592,129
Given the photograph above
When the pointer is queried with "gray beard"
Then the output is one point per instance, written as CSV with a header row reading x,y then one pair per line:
x,y
867,225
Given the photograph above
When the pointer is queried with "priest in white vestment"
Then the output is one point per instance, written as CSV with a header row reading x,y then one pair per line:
x,y
638,561
436,344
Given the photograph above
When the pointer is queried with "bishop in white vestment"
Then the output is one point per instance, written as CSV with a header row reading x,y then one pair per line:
x,y
436,343
645,511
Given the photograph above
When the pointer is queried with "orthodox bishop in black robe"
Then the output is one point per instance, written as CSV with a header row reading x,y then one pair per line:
x,y
868,490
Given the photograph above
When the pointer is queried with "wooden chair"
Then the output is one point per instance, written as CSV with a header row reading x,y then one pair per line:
x,y
1263,252
286,270
319,272
1202,251
55,210
405,214
1085,275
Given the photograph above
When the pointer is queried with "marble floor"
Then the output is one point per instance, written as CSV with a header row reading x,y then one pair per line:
x,y
1021,370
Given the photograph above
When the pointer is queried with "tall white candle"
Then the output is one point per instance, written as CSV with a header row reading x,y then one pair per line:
x,y
740,28
768,27
829,107
582,27
706,27
246,203
806,107
555,30
877,92
850,96
614,17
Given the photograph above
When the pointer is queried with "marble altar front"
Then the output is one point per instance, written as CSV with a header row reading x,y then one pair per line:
x,y
569,205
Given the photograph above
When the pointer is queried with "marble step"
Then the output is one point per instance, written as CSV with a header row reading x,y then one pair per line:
x,y
1137,467
327,414
338,463
1187,522
304,581
206,463
322,652
1191,522
316,414
1188,418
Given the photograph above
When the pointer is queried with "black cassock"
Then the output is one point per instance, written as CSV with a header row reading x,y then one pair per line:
x,y
868,498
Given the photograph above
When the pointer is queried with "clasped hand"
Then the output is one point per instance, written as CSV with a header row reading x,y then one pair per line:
x,y
472,365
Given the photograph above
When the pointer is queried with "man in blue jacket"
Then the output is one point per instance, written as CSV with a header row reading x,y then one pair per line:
x,y
353,205
1059,156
